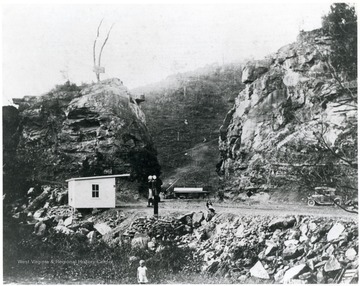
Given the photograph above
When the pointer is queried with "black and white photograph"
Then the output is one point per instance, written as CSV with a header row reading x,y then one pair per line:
x,y
168,142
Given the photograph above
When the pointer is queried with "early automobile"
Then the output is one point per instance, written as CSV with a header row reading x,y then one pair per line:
x,y
324,196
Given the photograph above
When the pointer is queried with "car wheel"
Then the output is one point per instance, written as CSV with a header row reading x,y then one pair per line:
x,y
311,203
337,202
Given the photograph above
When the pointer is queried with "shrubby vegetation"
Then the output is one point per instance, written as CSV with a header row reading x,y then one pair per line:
x,y
341,25
68,87
308,166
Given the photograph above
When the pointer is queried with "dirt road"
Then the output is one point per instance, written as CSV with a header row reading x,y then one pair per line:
x,y
174,207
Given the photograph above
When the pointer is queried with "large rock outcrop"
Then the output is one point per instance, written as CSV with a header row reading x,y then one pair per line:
x,y
73,132
296,112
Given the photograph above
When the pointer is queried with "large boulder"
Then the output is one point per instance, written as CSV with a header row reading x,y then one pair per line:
x,y
292,252
332,264
335,231
350,254
140,241
40,228
293,272
186,219
197,218
95,130
259,271
38,201
254,70
91,236
102,228
282,223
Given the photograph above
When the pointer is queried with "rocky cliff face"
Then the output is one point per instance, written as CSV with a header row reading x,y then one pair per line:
x,y
294,123
72,132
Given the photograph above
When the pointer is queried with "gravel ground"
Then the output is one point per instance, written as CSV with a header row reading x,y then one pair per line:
x,y
174,207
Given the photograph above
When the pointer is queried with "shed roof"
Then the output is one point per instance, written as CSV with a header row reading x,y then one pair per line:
x,y
98,177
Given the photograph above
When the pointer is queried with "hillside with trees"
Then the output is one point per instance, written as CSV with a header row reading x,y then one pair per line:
x,y
184,113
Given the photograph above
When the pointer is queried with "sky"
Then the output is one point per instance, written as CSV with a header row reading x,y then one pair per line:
x,y
44,45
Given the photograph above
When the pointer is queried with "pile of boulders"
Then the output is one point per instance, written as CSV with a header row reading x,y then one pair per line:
x,y
281,249
66,220
293,249
162,228
46,209
43,202
110,217
290,249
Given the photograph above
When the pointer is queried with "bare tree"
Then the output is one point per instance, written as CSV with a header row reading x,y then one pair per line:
x,y
97,66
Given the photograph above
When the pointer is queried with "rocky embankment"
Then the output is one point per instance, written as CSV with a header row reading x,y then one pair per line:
x,y
244,249
288,249
294,124
69,132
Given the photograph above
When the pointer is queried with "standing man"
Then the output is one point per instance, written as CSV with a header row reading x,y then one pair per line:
x,y
150,197
153,185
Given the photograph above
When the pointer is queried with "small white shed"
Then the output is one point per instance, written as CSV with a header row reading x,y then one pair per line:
x,y
93,192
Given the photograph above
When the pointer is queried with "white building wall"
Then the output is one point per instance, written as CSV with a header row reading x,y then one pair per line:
x,y
71,192
80,193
